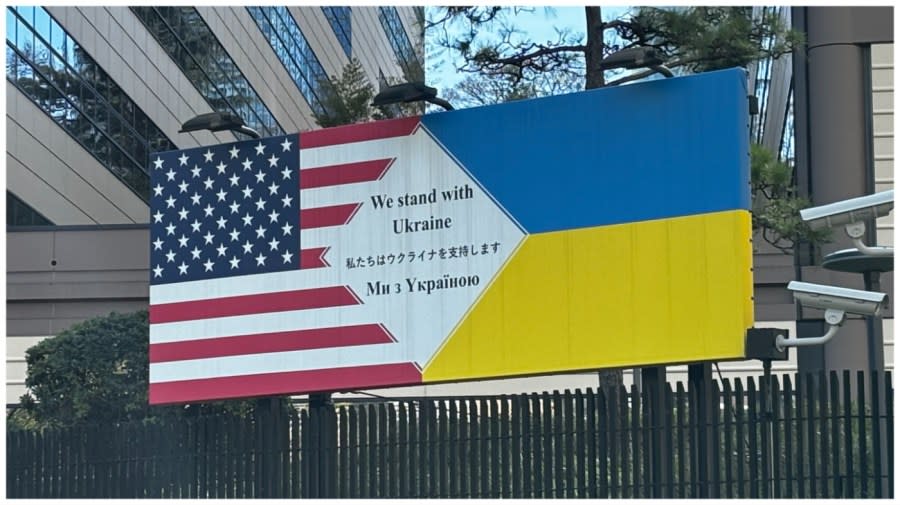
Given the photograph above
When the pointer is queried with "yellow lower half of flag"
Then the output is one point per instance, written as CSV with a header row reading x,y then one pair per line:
x,y
655,292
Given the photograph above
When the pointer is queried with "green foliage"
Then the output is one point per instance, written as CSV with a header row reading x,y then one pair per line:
x,y
347,99
490,44
775,204
710,38
479,89
94,370
97,371
695,39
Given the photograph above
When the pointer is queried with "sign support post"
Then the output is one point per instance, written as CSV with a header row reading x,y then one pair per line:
x,y
323,429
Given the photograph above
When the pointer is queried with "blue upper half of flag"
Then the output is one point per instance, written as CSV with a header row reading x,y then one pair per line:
x,y
225,210
621,154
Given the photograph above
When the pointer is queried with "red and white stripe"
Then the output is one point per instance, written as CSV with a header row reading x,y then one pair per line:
x,y
248,330
295,340
281,383
345,173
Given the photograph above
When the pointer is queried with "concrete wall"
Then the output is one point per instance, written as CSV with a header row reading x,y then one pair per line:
x,y
57,278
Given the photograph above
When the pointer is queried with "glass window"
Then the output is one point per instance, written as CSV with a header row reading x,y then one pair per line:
x,y
118,162
40,93
26,13
79,95
10,25
25,78
105,150
115,130
42,23
10,63
140,151
57,68
57,38
19,213
183,34
24,39
56,107
84,132
126,110
41,54
70,50
399,40
291,48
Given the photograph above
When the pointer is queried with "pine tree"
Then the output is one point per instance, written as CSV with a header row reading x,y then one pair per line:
x,y
347,99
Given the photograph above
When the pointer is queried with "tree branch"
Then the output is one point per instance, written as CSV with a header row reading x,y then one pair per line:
x,y
544,51
617,23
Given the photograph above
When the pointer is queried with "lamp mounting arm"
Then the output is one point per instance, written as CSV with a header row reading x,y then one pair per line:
x,y
246,130
662,69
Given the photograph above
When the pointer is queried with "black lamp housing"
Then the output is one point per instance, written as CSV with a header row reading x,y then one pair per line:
x,y
216,122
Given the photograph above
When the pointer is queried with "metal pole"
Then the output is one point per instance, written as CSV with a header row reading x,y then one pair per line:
x,y
874,327
266,412
875,343
699,378
323,428
653,379
768,427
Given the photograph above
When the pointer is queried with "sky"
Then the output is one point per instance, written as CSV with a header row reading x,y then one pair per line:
x,y
539,25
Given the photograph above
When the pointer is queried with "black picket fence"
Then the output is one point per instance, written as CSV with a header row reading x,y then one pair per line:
x,y
818,436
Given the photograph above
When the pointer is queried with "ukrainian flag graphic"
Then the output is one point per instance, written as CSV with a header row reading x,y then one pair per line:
x,y
636,208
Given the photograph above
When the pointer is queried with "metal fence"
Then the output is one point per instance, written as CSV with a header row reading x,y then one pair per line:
x,y
818,436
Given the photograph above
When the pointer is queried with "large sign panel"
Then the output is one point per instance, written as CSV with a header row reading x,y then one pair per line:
x,y
608,228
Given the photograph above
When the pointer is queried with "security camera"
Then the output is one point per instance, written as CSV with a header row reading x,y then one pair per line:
x,y
836,302
849,211
818,296
853,214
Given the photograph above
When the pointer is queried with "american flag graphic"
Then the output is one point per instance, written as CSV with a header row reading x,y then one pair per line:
x,y
225,210
230,280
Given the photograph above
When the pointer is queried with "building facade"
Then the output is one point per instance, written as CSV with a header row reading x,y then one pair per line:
x,y
91,91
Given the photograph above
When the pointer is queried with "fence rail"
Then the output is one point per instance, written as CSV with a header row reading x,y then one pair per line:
x,y
818,436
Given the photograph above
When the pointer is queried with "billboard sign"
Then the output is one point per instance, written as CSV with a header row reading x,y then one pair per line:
x,y
608,228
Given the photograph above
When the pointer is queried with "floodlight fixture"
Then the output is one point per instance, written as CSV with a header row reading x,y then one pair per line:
x,y
216,122
836,302
636,57
852,214
409,92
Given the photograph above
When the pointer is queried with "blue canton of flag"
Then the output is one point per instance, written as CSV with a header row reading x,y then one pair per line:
x,y
225,210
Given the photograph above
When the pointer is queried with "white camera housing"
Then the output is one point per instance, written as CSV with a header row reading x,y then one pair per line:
x,y
866,303
849,211
835,302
